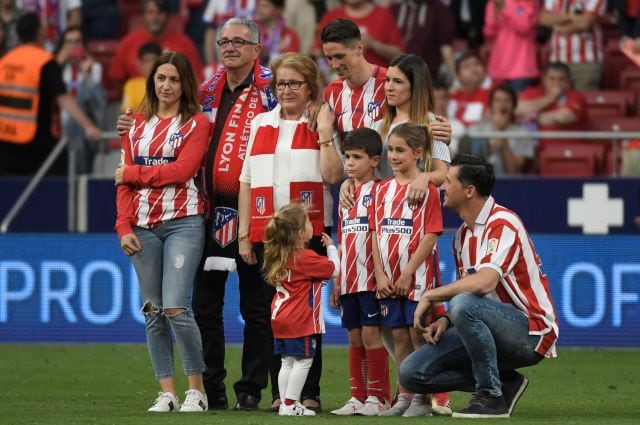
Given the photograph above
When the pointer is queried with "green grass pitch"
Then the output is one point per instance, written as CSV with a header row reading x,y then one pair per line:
x,y
113,384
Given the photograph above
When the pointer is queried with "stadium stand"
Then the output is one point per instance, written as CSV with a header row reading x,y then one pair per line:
x,y
562,160
609,103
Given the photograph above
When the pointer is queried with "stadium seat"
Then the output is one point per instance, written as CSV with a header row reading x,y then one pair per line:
x,y
607,103
614,124
613,63
570,160
129,9
630,79
103,52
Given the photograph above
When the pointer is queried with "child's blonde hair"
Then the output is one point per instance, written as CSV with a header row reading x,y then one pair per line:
x,y
282,240
417,136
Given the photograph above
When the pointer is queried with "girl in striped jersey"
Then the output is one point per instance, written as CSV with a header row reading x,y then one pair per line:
x,y
404,250
160,222
298,274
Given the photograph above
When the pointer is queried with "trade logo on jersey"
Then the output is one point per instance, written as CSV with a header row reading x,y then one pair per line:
x,y
492,245
225,225
261,204
175,140
355,225
306,199
397,226
374,110
367,200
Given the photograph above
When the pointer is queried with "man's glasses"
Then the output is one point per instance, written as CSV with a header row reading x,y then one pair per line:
x,y
293,85
236,42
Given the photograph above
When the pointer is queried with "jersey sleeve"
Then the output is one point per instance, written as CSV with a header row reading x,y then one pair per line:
x,y
314,266
186,165
501,248
124,194
433,213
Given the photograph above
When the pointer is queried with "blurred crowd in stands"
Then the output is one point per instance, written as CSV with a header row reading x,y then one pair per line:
x,y
498,65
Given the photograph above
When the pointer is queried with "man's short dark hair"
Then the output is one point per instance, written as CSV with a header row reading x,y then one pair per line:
x,y
475,170
163,5
341,31
28,27
467,55
364,139
278,3
559,66
149,48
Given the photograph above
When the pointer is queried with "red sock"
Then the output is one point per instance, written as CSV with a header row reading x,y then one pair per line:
x,y
357,373
378,367
289,402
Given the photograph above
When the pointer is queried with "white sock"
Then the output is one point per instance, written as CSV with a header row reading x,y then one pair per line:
x,y
297,378
283,376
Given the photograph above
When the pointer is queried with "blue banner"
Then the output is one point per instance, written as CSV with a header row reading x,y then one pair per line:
x,y
81,288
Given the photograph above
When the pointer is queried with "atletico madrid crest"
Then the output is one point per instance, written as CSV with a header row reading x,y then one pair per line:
x,y
260,205
306,199
367,200
225,225
374,110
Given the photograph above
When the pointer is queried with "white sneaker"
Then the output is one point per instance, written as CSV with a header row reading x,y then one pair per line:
x,y
372,407
418,407
350,408
195,401
402,404
166,402
296,409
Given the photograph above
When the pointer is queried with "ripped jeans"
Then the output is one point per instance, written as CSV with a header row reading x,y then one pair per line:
x,y
166,269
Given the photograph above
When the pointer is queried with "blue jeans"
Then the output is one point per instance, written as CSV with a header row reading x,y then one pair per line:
x,y
488,338
166,269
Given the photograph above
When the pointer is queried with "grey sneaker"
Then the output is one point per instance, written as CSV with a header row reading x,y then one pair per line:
x,y
484,406
399,408
418,407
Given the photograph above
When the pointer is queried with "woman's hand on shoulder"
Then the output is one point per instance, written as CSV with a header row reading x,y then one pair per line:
x,y
417,190
119,174
124,122
130,244
326,119
441,129
346,196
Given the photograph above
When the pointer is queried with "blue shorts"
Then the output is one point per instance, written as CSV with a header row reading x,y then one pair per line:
x,y
359,309
305,346
397,312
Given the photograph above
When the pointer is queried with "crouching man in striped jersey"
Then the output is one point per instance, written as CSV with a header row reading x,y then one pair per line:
x,y
501,316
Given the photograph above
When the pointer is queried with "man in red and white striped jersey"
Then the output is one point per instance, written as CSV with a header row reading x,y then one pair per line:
x,y
501,316
576,38
356,98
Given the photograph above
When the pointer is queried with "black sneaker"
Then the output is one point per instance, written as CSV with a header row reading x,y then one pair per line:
x,y
513,388
484,406
247,402
218,403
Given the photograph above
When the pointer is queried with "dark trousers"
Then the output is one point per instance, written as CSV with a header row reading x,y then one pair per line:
x,y
255,308
258,360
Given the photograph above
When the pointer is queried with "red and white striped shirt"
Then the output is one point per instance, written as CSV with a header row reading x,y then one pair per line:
x,y
357,107
159,184
579,47
354,236
499,241
400,228
296,309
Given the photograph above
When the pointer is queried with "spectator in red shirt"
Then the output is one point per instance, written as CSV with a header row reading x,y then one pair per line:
x,y
156,14
276,37
555,105
380,34
469,97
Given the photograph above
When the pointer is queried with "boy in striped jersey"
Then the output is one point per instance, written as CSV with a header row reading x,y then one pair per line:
x,y
354,290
